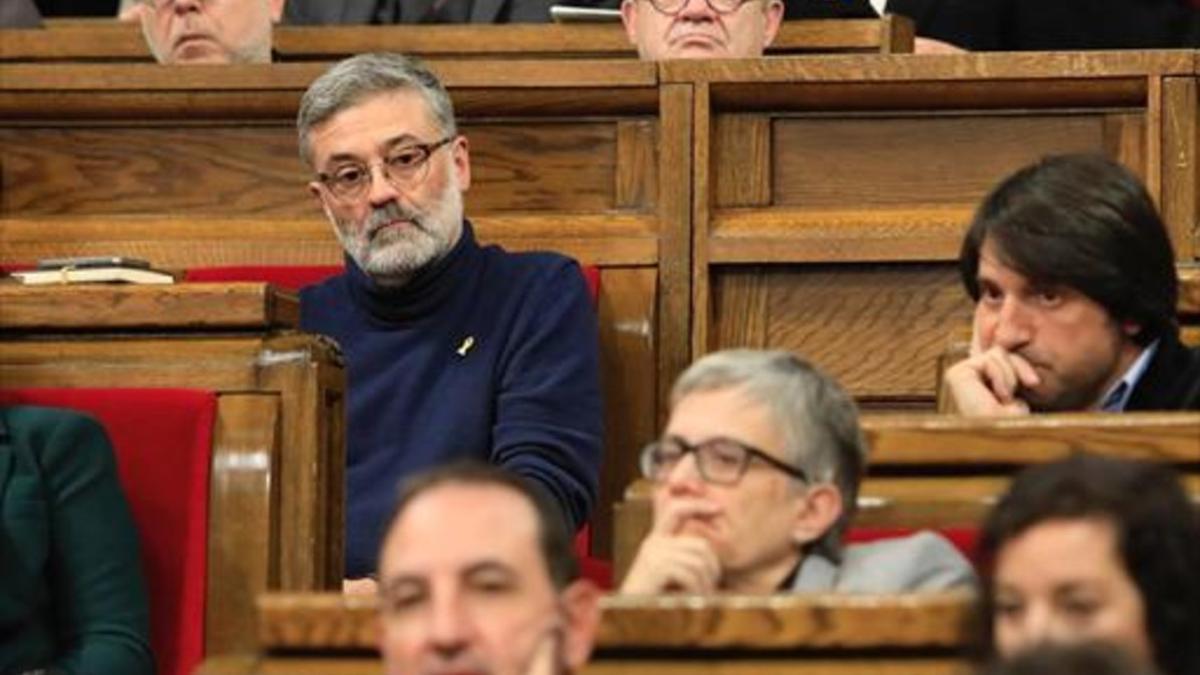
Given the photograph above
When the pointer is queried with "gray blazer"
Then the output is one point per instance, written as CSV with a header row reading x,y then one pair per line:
x,y
924,561
365,11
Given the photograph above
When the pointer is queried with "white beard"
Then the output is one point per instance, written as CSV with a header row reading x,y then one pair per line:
x,y
392,255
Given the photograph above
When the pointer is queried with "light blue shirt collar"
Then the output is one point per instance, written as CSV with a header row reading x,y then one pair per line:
x,y
1118,395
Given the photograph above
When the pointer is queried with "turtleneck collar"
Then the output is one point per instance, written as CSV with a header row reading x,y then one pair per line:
x,y
427,290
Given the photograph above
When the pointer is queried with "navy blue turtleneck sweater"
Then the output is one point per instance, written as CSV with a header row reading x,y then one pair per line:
x,y
484,354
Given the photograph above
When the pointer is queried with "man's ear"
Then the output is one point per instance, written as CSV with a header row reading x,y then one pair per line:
x,y
774,17
818,508
462,162
629,19
581,602
1131,329
276,7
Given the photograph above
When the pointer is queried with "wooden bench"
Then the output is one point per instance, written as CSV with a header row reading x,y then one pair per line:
x,y
825,634
199,167
723,201
110,40
942,472
830,194
277,492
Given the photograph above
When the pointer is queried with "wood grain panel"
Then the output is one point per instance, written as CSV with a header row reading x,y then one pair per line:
x,y
627,329
829,622
243,509
1112,69
681,109
898,161
547,166
220,170
637,164
1125,137
741,165
877,329
98,307
201,170
1180,174
106,39
181,243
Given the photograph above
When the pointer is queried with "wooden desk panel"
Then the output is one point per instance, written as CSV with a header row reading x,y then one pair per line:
x,y
907,634
831,194
84,40
277,493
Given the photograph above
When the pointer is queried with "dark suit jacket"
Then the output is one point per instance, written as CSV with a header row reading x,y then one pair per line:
x,y
1023,25
72,599
369,11
1172,380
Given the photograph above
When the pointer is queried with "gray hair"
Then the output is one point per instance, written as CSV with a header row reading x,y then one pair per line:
x,y
818,420
353,80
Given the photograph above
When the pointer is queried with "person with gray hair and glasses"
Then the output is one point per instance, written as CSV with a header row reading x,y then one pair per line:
x,y
755,481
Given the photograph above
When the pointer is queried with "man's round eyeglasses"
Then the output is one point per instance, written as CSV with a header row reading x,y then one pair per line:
x,y
673,7
405,166
721,461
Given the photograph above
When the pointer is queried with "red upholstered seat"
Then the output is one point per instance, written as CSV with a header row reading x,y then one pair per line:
x,y
964,538
296,277
163,444
291,277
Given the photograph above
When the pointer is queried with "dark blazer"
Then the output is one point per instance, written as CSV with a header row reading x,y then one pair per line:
x,y
72,598
379,11
1024,25
1172,380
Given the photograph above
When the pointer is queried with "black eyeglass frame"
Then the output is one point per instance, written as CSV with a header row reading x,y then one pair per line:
x,y
427,148
657,4
750,452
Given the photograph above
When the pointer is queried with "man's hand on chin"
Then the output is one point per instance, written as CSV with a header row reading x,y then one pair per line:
x,y
986,383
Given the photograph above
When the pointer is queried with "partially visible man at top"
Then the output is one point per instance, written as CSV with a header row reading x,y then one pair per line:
x,y
476,575
701,29
756,479
1075,288
208,31
454,350
423,11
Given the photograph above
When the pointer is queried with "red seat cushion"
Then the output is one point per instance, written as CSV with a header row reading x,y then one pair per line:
x,y
163,444
291,277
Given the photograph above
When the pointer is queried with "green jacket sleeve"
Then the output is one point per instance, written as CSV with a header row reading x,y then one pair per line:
x,y
101,610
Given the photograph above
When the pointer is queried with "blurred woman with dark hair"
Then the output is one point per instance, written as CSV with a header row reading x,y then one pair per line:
x,y
1094,549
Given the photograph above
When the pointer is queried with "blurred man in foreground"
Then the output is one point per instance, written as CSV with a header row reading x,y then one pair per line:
x,y
476,574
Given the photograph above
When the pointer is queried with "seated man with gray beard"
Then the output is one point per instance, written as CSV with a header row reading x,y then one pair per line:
x,y
454,350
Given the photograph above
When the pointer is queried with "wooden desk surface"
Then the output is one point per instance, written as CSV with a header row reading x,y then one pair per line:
x,y
337,623
184,306
110,40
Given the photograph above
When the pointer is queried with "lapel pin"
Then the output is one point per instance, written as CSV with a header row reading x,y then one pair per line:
x,y
466,345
